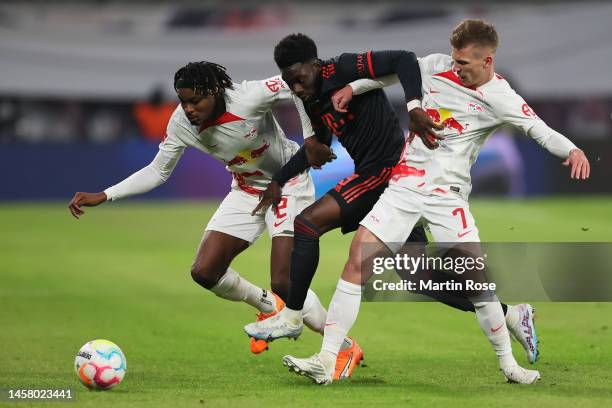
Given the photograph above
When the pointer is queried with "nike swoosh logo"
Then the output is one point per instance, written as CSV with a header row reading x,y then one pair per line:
x,y
463,234
432,91
497,329
344,372
276,224
212,146
329,324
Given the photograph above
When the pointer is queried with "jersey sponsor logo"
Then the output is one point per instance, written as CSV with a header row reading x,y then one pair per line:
x,y
237,161
252,133
247,156
527,111
336,123
255,153
446,118
275,84
475,108
328,70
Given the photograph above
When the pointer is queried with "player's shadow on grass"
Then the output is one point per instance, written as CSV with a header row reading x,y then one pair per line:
x,y
362,382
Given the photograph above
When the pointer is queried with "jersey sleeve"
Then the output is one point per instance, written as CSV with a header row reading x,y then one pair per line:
x,y
307,129
434,63
512,109
264,94
154,174
374,64
365,85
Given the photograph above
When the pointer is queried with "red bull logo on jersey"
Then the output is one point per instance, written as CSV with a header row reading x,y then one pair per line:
x,y
445,117
247,156
259,152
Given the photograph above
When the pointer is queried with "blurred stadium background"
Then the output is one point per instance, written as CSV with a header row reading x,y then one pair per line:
x,y
86,87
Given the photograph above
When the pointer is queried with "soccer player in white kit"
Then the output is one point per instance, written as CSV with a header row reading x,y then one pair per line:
x,y
464,93
234,123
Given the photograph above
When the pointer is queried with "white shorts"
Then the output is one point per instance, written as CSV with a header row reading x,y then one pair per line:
x,y
233,217
399,209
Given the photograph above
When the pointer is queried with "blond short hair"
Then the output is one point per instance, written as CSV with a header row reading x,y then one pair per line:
x,y
477,32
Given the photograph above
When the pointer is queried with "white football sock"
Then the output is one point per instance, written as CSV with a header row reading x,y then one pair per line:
x,y
314,313
233,287
493,324
512,316
293,316
341,316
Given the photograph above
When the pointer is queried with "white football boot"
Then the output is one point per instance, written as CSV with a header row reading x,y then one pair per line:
x,y
311,367
520,375
520,322
275,327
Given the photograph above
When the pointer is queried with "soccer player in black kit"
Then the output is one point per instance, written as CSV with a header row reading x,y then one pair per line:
x,y
371,134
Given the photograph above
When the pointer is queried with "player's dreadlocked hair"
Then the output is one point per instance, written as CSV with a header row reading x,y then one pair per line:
x,y
205,78
294,48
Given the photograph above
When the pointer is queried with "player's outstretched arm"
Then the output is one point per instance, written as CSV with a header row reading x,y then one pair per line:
x,y
85,200
579,164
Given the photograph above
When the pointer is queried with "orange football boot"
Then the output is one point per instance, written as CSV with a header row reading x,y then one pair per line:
x,y
347,360
259,346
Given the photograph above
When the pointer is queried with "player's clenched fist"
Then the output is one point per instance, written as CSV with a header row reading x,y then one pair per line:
x,y
341,98
85,200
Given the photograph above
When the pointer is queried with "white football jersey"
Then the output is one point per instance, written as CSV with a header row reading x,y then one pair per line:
x,y
246,138
469,116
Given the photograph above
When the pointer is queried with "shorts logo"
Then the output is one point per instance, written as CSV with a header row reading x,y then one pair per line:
x,y
463,234
374,218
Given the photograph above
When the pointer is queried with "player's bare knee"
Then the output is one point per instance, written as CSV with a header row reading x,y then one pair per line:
x,y
205,275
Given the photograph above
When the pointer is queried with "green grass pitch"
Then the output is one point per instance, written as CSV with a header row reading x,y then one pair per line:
x,y
122,273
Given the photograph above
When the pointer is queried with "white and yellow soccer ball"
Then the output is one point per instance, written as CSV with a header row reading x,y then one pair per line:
x,y
100,364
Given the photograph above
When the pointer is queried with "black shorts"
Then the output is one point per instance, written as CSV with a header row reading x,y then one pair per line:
x,y
357,194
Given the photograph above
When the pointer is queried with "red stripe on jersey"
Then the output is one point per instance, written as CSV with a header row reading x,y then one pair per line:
x,y
369,55
227,117
380,180
452,76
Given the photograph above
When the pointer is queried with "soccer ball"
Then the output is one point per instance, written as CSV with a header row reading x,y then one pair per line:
x,y
100,364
